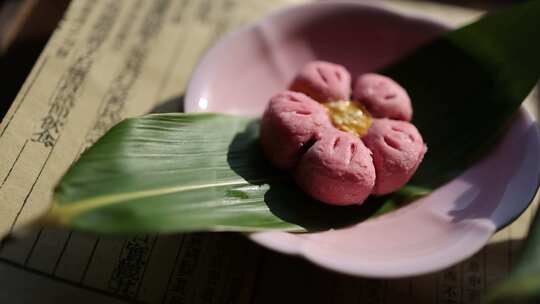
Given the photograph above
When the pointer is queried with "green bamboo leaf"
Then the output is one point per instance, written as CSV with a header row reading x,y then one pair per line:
x,y
193,172
187,172
466,86
523,283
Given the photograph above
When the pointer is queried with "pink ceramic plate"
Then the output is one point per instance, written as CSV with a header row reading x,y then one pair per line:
x,y
246,67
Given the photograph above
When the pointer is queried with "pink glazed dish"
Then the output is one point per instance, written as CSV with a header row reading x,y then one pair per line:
x,y
433,233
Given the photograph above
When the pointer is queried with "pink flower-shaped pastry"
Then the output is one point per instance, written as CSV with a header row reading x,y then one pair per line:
x,y
340,150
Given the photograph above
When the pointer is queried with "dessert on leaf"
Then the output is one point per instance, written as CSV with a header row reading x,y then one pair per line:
x,y
342,141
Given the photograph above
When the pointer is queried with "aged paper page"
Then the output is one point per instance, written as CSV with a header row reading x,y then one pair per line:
x,y
111,59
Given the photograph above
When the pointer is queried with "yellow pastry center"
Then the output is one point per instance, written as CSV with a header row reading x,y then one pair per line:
x,y
348,116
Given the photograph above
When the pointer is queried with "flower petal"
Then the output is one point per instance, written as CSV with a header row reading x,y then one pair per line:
x,y
338,169
382,97
398,149
323,81
291,123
